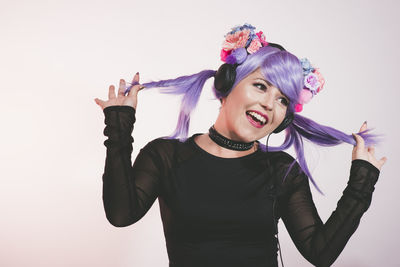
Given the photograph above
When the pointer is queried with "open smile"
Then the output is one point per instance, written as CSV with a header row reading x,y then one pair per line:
x,y
256,118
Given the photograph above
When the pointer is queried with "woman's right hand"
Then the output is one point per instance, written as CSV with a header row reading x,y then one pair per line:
x,y
121,100
360,151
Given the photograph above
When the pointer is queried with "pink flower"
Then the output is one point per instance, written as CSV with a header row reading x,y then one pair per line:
x,y
305,96
261,36
236,40
321,80
254,46
225,54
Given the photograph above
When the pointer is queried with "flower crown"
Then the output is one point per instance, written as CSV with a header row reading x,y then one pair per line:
x,y
243,41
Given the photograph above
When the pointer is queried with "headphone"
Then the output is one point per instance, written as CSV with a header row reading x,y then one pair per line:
x,y
225,78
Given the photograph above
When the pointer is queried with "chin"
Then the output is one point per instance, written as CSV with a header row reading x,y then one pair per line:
x,y
247,133
249,136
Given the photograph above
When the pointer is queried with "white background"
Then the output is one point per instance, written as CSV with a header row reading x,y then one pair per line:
x,y
57,56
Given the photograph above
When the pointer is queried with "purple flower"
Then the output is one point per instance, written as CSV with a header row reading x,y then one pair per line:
x,y
311,82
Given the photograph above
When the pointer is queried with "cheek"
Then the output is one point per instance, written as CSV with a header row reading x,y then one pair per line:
x,y
232,113
279,115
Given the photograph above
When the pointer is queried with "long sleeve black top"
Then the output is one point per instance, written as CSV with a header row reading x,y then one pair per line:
x,y
218,211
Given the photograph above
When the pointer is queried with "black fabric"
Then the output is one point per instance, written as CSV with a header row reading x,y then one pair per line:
x,y
218,211
225,77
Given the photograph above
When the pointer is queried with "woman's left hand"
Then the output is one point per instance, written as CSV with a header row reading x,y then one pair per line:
x,y
366,153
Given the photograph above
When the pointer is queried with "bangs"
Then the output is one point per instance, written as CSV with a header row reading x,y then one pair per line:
x,y
284,71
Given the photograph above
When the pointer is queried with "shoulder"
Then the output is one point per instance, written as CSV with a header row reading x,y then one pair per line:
x,y
161,145
169,150
281,159
287,170
158,153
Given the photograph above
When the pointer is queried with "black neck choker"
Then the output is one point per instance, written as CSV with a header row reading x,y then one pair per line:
x,y
228,143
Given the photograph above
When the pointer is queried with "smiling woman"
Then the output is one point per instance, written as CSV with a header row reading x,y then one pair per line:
x,y
222,193
252,100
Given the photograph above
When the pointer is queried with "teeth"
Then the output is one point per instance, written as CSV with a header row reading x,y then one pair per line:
x,y
258,116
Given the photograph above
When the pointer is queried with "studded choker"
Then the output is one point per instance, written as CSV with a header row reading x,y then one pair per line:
x,y
228,143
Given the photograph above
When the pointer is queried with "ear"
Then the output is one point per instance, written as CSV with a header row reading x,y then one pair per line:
x,y
222,100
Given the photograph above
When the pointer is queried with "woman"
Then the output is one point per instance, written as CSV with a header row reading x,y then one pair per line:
x,y
222,193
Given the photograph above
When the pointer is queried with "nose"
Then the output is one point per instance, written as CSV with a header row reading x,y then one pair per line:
x,y
267,102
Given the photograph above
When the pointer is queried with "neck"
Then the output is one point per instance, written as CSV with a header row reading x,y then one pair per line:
x,y
221,126
228,143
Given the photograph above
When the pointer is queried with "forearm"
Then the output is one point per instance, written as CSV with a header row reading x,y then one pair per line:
x,y
322,243
119,199
344,221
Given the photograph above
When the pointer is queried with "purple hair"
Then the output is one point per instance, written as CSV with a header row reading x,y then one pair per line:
x,y
284,71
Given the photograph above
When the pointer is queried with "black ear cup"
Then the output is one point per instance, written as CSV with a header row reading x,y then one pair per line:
x,y
226,74
285,123
225,77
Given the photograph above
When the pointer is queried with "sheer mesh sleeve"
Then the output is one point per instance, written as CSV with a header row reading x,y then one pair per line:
x,y
128,191
322,243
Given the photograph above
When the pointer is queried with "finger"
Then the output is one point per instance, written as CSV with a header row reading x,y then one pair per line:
x,y
363,126
382,161
135,89
111,92
99,102
134,82
136,78
371,150
359,141
122,87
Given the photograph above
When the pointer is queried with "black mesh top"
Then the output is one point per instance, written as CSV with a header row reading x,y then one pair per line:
x,y
218,211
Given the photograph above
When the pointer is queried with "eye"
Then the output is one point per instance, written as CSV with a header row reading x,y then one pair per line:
x,y
260,86
284,101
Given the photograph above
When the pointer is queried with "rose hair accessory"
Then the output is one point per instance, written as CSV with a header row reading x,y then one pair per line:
x,y
242,41
313,84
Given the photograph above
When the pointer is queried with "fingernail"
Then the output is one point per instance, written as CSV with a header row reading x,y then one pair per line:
x,y
137,73
365,122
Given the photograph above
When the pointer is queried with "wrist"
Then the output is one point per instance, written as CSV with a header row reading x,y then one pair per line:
x,y
123,108
363,176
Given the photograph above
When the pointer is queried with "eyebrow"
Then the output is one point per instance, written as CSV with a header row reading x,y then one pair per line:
x,y
267,82
270,84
